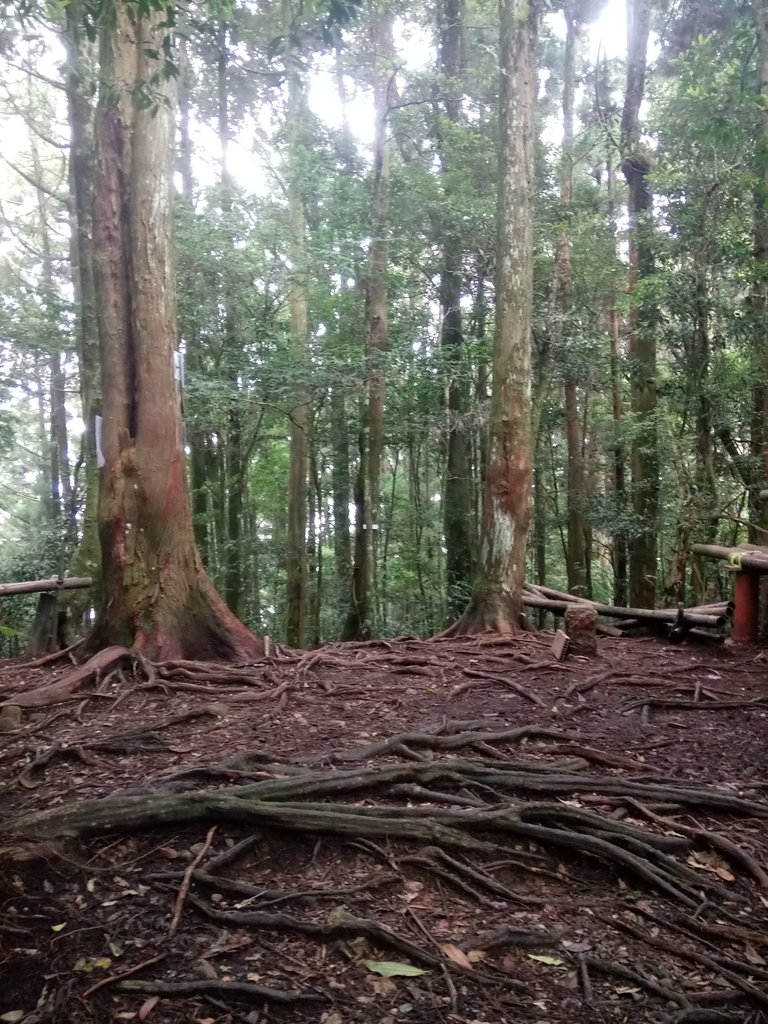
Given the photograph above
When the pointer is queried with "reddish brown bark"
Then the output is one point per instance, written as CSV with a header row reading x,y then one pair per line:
x,y
497,599
156,596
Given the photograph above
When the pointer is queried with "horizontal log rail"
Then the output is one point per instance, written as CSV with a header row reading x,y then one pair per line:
x,y
749,557
750,562
670,615
45,586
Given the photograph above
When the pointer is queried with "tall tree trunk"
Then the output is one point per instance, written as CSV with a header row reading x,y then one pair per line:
x,y
562,289
80,74
497,597
479,330
643,317
342,544
619,541
156,595
356,625
706,479
296,555
360,622
200,461
62,499
315,552
233,558
457,498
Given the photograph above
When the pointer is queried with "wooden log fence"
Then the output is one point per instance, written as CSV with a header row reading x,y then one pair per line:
x,y
46,632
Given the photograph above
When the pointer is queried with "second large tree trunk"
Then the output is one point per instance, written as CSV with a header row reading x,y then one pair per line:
x,y
642,337
156,595
497,598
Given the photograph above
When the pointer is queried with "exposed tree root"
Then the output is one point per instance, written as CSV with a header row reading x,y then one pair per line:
x,y
700,1015
340,925
128,973
232,991
51,659
627,974
731,970
70,685
708,838
488,677
274,897
124,743
693,705
291,802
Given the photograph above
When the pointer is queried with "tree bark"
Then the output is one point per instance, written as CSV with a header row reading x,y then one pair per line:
x,y
562,288
357,622
497,598
156,595
619,542
296,553
80,73
362,619
457,523
643,316
233,343
342,545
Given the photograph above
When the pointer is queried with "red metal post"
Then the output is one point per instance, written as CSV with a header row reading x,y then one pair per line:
x,y
746,614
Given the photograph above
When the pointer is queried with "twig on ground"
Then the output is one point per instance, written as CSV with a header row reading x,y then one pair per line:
x,y
187,881
236,991
129,972
617,969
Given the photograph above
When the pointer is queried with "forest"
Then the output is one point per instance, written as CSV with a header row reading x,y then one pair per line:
x,y
348,349
335,259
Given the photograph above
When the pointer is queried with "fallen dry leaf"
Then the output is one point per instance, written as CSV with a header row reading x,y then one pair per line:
x,y
382,986
147,1007
458,956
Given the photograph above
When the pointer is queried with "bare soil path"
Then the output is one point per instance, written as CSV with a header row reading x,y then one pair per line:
x,y
430,832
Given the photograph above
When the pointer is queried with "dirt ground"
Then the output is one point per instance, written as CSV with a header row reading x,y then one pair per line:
x,y
459,831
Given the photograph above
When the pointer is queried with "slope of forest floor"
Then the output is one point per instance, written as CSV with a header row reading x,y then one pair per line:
x,y
461,831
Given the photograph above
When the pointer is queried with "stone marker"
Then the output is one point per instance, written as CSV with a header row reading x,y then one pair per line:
x,y
581,627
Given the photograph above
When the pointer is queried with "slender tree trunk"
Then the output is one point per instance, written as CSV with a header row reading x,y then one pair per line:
x,y
562,289
480,318
357,623
705,519
62,498
296,560
643,316
619,544
497,598
233,557
80,74
156,594
540,526
339,419
360,622
457,523
377,318
198,439
342,544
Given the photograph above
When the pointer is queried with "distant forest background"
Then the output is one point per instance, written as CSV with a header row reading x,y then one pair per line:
x,y
335,235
